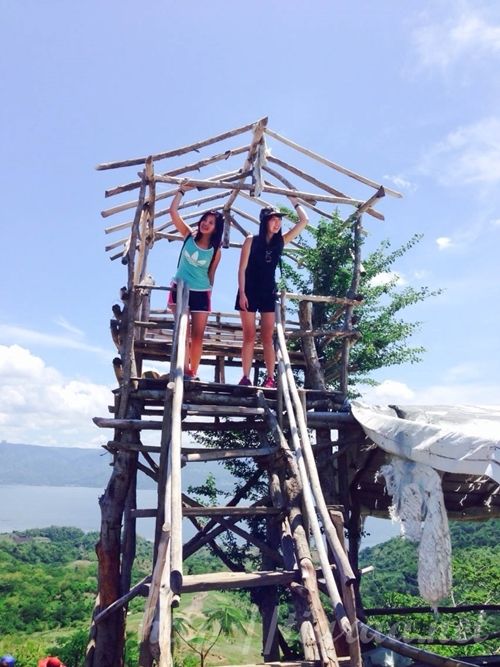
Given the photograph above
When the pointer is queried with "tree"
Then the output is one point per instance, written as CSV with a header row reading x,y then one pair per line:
x,y
326,268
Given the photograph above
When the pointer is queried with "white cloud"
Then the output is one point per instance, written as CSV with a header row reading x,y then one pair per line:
x,y
39,406
464,393
386,277
63,322
10,333
388,392
469,155
461,38
401,182
443,242
462,385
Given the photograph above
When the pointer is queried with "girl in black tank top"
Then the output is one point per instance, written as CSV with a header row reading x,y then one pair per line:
x,y
260,256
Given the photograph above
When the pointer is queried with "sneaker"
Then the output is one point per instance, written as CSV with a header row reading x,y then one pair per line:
x,y
245,382
269,382
188,375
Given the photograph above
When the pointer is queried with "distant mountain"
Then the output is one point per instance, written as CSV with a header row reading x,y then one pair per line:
x,y
34,465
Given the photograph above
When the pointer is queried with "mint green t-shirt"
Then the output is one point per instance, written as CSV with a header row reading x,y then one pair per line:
x,y
193,265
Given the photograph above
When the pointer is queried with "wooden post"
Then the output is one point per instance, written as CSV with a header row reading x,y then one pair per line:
x,y
314,373
108,637
128,355
356,272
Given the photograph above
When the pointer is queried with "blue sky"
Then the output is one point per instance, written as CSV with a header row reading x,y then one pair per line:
x,y
405,93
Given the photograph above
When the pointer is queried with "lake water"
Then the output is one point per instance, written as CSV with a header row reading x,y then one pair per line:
x,y
23,507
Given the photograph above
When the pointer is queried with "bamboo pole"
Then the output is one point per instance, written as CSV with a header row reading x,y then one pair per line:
x,y
154,588
329,163
178,151
175,449
322,637
341,560
333,592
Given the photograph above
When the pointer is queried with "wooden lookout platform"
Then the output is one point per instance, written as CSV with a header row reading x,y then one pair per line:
x,y
301,437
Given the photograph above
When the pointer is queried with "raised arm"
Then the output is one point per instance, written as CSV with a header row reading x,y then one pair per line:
x,y
182,227
300,225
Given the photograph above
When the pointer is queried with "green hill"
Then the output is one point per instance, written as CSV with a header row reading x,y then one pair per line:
x,y
48,585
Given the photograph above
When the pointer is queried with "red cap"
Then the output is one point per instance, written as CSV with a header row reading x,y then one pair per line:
x,y
54,662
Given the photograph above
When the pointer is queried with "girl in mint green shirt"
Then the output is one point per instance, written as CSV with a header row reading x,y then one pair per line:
x,y
198,261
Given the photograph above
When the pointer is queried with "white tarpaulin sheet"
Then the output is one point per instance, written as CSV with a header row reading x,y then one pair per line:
x,y
462,439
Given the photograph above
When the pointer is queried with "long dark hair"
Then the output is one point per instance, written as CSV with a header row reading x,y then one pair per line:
x,y
216,236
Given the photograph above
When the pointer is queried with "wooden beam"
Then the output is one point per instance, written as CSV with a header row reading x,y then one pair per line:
x,y
177,151
323,299
329,163
368,633
254,510
211,581
311,179
195,166
224,454
162,195
218,184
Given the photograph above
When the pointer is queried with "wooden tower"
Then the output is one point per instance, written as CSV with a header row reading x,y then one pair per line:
x,y
305,511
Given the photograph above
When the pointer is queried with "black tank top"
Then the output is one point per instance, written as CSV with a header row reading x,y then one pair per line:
x,y
262,263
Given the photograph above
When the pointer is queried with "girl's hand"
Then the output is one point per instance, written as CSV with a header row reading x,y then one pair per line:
x,y
243,301
184,186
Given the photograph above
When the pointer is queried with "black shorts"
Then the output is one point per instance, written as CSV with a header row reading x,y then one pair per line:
x,y
264,301
199,300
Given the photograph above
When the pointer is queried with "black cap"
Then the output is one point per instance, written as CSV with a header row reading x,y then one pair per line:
x,y
268,212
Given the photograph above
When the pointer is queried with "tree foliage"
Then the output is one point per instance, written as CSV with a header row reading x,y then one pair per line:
x,y
326,268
